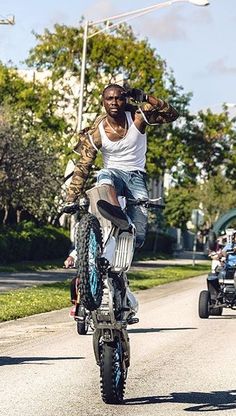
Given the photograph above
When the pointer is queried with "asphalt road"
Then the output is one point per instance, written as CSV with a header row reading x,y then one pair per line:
x,y
180,364
20,280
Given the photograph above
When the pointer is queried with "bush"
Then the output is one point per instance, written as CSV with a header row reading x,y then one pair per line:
x,y
27,241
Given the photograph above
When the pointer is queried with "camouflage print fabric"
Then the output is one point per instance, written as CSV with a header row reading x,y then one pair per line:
x,y
87,156
90,142
87,152
156,115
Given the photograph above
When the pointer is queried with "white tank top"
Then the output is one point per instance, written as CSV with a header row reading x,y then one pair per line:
x,y
128,153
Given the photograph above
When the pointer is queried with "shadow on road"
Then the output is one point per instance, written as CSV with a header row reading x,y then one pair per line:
x,y
208,402
5,360
146,330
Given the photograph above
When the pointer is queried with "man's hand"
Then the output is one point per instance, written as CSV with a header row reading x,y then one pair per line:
x,y
70,208
73,207
69,262
137,95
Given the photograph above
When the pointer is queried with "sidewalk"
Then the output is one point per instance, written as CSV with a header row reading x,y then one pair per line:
x,y
183,258
20,280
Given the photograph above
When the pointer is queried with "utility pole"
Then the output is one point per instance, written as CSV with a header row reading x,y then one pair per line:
x,y
7,21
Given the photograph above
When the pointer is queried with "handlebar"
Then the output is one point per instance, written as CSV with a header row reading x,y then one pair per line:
x,y
82,205
70,209
147,203
74,207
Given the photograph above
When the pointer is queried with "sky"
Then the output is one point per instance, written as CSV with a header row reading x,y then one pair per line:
x,y
197,43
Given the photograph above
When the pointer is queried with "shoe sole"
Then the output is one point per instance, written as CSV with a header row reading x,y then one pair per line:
x,y
122,224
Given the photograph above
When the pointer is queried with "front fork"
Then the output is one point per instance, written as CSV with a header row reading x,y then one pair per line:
x,y
107,327
108,335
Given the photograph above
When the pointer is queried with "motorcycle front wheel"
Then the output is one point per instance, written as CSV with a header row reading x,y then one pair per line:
x,y
112,372
89,249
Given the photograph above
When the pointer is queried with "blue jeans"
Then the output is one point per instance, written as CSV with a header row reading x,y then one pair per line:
x,y
131,185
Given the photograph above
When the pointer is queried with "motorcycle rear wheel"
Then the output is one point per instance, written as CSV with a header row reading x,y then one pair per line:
x,y
112,372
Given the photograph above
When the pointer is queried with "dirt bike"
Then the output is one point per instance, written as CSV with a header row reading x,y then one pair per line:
x,y
104,255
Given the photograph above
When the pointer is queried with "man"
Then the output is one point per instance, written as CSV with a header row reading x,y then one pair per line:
x,y
229,250
120,135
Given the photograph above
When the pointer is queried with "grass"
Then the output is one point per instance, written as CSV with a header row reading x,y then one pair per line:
x,y
30,301
145,279
44,298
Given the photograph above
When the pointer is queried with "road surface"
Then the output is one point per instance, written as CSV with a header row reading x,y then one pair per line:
x,y
180,364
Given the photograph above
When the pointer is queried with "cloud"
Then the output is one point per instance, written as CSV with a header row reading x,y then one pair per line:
x,y
201,16
167,28
166,24
101,10
174,24
220,67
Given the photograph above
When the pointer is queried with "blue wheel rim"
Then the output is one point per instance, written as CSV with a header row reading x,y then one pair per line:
x,y
117,365
92,264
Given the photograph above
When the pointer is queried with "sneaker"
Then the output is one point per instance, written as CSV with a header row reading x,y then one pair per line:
x,y
113,213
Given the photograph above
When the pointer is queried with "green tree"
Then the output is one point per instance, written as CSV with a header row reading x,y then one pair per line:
x,y
120,54
191,148
216,195
179,204
36,110
37,144
108,56
30,178
217,134
201,145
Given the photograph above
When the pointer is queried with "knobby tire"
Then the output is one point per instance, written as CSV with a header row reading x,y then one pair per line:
x,y
204,304
112,372
89,249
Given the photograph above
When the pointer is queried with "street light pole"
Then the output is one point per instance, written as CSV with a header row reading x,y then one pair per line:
x,y
82,75
8,21
123,17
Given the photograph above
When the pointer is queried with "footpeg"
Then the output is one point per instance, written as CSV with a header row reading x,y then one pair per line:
x,y
131,321
79,318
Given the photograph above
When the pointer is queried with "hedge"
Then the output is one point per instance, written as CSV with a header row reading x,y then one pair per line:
x,y
158,242
27,241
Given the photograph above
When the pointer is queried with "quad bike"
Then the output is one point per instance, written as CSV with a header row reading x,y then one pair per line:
x,y
104,255
221,290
